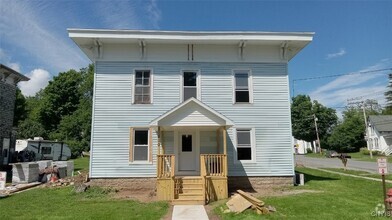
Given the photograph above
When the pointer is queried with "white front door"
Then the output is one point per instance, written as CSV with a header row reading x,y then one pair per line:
x,y
187,151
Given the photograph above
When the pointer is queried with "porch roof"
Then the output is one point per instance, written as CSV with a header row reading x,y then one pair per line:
x,y
192,113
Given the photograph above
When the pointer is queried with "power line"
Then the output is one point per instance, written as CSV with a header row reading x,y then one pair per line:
x,y
336,75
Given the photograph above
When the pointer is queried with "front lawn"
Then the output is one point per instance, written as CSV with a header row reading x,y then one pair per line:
x,y
62,203
81,163
360,173
337,197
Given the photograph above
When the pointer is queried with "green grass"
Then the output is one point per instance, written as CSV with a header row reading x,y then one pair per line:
x,y
315,155
62,203
355,156
338,197
362,157
81,163
360,173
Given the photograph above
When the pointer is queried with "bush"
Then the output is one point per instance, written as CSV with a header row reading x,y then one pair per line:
x,y
365,151
309,150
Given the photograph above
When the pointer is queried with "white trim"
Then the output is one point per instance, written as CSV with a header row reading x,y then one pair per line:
x,y
201,104
252,144
190,35
93,120
149,160
250,85
198,83
151,84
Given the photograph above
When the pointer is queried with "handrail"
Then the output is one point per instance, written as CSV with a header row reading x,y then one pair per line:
x,y
165,165
214,164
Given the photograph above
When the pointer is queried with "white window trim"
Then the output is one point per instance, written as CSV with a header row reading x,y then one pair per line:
x,y
250,85
151,85
148,148
252,144
198,83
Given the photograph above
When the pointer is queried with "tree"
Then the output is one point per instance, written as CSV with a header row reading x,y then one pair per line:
x,y
75,129
303,111
30,128
59,98
388,94
20,112
348,135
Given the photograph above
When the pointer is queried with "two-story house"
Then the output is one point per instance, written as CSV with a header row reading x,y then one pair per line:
x,y
193,113
379,133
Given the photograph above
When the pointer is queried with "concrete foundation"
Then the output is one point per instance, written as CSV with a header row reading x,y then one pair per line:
x,y
258,184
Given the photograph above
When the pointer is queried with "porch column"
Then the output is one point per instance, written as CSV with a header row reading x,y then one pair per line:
x,y
224,151
159,140
224,140
218,140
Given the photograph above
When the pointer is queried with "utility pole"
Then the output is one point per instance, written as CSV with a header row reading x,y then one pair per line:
x,y
363,104
366,128
317,134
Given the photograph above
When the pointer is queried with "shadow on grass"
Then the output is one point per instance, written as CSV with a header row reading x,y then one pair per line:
x,y
309,177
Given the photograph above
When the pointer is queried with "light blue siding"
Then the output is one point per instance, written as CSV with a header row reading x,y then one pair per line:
x,y
114,113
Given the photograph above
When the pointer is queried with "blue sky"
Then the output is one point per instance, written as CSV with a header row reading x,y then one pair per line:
x,y
351,36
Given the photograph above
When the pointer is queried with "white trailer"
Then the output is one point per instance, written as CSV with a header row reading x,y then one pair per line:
x,y
39,149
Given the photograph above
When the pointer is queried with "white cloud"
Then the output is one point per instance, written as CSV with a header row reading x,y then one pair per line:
x,y
371,85
22,25
341,52
155,13
39,79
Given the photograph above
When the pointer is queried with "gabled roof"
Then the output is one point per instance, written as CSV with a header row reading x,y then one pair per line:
x,y
382,123
19,76
192,112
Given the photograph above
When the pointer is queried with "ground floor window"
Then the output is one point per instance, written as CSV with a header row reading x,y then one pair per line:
x,y
140,147
244,145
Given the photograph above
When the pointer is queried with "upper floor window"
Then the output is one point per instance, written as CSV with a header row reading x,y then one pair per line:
x,y
142,87
190,85
242,87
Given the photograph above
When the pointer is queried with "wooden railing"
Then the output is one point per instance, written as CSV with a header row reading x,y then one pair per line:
x,y
213,165
165,165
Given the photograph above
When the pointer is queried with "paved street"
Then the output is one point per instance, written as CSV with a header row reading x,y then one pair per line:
x,y
337,163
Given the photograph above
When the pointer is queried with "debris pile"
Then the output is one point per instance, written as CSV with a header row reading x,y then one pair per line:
x,y
241,201
80,179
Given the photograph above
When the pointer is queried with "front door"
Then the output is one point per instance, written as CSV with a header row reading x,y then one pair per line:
x,y
187,152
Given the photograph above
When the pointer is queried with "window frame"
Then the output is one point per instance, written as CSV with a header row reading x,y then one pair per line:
x,y
42,150
182,84
252,144
149,160
250,86
151,85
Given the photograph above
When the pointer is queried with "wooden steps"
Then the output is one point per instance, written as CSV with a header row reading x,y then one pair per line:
x,y
190,191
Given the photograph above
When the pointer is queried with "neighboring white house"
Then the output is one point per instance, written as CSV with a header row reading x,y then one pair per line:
x,y
379,133
301,146
180,108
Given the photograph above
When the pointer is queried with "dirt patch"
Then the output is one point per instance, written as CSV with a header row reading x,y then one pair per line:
x,y
141,195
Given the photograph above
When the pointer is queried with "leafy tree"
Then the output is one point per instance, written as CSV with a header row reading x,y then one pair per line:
x,y
388,95
302,111
348,135
75,129
30,128
59,98
20,112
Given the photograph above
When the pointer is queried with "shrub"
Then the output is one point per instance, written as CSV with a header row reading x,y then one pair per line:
x,y
365,151
309,150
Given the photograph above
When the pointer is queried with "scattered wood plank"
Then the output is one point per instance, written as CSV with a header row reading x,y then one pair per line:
x,y
250,198
238,204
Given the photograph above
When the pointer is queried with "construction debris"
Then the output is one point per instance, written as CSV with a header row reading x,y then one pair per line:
x,y
241,201
17,188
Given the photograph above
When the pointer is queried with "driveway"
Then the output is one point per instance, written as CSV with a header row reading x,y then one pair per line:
x,y
337,163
